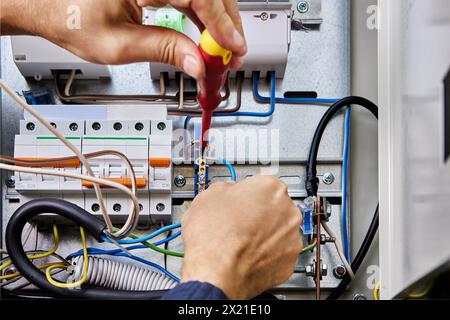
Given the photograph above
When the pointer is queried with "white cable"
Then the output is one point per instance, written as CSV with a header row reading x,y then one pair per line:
x,y
338,246
69,83
117,275
132,219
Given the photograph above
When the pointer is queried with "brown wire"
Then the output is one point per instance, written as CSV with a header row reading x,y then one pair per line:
x,y
198,113
85,99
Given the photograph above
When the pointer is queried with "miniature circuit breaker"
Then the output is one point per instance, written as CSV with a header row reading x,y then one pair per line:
x,y
147,144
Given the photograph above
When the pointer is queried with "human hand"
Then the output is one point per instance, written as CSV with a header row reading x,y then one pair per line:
x,y
111,31
243,238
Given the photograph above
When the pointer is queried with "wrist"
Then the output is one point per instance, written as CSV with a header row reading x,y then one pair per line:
x,y
222,275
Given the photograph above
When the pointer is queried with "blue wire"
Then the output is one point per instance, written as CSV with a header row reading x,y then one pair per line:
x,y
267,114
344,184
160,242
96,251
145,238
230,167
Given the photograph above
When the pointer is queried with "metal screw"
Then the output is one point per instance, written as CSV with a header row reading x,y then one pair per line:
x,y
73,127
10,182
303,7
328,178
139,126
310,270
95,207
180,181
264,16
96,126
161,126
359,296
117,207
160,207
53,125
141,207
9,270
339,271
30,126
117,126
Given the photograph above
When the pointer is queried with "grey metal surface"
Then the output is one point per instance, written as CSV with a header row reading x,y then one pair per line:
x,y
318,60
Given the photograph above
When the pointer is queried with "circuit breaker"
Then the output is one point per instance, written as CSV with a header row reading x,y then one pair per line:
x,y
147,144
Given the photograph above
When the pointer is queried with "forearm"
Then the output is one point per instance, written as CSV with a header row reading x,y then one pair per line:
x,y
31,17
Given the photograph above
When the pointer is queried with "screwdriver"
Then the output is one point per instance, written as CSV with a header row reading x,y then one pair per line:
x,y
217,61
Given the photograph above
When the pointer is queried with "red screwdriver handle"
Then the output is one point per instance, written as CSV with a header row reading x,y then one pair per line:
x,y
217,61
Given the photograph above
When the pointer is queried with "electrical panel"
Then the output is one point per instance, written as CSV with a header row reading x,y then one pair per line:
x,y
146,143
267,27
36,57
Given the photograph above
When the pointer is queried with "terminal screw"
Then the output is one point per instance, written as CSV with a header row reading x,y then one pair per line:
x,y
161,126
303,7
180,181
328,178
30,126
339,271
10,182
73,127
160,207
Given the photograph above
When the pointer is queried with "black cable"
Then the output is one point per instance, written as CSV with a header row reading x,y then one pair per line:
x,y
358,259
312,182
82,218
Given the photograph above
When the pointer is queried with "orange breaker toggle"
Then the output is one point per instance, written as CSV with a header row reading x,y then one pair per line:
x,y
217,61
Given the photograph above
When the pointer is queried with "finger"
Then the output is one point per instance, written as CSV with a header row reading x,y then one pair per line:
x,y
220,25
233,11
237,62
138,43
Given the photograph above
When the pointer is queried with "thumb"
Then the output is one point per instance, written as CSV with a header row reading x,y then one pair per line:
x,y
158,44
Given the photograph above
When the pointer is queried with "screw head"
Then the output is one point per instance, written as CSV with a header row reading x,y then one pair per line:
x,y
95,207
324,270
53,125
96,126
141,207
310,270
359,296
264,16
30,126
328,178
73,127
303,7
160,207
161,126
339,271
10,182
117,207
180,181
117,126
139,126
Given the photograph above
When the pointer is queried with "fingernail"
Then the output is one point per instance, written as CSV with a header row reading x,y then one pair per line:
x,y
239,40
192,66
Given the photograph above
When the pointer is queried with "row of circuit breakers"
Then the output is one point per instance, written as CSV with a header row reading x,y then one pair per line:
x,y
148,144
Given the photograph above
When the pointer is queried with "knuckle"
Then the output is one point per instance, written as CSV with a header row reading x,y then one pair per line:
x,y
167,46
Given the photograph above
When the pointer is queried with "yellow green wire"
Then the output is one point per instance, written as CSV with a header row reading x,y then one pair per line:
x,y
78,283
157,249
308,248
40,255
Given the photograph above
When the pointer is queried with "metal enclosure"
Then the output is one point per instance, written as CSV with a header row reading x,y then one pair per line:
x,y
414,58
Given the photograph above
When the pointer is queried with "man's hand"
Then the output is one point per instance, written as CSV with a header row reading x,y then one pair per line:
x,y
111,32
242,238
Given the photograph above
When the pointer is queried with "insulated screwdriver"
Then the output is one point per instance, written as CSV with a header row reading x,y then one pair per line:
x,y
217,61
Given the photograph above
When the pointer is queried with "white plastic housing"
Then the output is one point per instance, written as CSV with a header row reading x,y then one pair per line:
x,y
36,57
267,28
